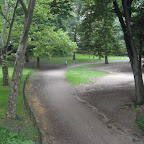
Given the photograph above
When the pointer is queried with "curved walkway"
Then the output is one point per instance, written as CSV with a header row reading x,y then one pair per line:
x,y
65,120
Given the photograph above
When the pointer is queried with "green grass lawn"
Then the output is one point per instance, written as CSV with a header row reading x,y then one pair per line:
x,y
82,74
81,58
19,130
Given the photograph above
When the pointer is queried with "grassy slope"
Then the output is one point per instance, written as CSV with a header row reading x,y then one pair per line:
x,y
80,58
22,124
81,75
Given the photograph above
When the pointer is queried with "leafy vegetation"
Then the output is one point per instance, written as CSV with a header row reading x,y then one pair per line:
x,y
8,137
22,125
83,74
140,122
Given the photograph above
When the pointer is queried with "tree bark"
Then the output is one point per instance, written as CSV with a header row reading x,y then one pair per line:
x,y
131,49
106,59
19,62
27,57
3,51
74,58
38,62
5,46
75,40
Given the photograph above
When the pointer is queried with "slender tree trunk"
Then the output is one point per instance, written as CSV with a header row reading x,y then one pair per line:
x,y
3,51
5,46
38,62
106,59
134,59
74,58
5,69
27,57
75,40
5,75
20,58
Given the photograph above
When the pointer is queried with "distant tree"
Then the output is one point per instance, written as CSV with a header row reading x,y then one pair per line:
x,y
96,29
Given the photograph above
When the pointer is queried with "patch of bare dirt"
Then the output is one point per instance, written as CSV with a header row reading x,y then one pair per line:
x,y
114,95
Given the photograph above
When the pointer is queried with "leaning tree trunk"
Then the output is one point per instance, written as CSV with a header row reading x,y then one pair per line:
x,y
131,49
19,62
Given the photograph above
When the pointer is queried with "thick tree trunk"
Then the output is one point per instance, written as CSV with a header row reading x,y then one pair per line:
x,y
20,58
38,62
139,88
106,59
134,59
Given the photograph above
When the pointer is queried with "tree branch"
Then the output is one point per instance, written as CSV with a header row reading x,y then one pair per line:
x,y
11,25
5,24
1,12
24,7
123,25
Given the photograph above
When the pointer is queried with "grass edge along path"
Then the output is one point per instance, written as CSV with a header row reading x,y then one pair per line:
x,y
21,130
83,74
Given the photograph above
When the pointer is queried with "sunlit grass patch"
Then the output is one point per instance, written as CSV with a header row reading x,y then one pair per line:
x,y
81,75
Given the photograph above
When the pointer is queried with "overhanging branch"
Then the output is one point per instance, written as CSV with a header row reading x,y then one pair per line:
x,y
24,7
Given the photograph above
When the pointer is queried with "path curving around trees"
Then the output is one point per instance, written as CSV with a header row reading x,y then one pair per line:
x,y
63,118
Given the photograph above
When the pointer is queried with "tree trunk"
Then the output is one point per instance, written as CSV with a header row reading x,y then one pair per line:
x,y
19,62
132,53
38,62
139,88
106,59
74,58
27,57
3,51
75,40
5,75
5,47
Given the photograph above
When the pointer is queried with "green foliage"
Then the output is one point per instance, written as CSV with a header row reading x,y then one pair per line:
x,y
140,122
96,28
8,137
82,74
49,42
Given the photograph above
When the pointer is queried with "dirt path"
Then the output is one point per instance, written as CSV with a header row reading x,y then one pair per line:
x,y
114,95
64,119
